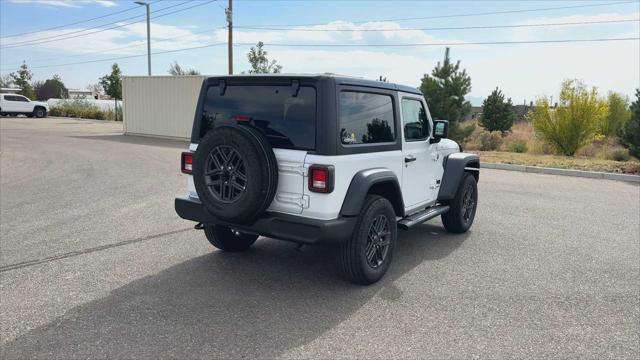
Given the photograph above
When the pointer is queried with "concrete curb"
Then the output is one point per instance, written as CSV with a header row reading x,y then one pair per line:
x,y
563,172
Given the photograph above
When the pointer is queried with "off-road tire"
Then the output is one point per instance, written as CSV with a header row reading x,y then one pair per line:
x,y
353,253
260,173
456,220
229,240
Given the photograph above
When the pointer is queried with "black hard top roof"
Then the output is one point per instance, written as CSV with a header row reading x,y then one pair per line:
x,y
339,79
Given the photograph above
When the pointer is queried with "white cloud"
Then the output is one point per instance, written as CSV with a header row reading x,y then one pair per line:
x,y
67,3
127,40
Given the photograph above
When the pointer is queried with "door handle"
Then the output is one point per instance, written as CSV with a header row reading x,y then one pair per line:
x,y
409,158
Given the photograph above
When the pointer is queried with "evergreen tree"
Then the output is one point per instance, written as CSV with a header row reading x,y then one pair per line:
x,y
497,114
631,133
175,69
21,79
445,90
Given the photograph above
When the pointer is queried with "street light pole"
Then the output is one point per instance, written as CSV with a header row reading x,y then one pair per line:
x,y
146,5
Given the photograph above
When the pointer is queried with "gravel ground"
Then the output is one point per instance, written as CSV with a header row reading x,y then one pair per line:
x,y
94,263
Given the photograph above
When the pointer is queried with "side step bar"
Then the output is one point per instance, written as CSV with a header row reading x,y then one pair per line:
x,y
419,218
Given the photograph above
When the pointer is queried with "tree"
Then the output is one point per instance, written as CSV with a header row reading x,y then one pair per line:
x,y
21,79
617,116
631,130
175,69
497,114
445,90
259,61
6,81
382,78
112,83
51,88
573,122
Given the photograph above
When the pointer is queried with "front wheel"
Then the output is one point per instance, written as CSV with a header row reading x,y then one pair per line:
x,y
366,256
462,209
227,239
40,112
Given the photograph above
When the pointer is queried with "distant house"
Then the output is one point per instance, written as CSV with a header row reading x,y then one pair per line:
x,y
10,90
521,111
81,94
476,112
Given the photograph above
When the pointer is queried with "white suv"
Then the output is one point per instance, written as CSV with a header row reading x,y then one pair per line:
x,y
13,104
322,159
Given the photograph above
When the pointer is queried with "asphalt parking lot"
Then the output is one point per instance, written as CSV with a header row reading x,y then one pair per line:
x,y
95,264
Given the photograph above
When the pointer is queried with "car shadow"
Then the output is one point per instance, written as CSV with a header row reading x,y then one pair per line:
x,y
256,304
138,140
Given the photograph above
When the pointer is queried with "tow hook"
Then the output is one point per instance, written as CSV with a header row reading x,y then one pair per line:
x,y
199,226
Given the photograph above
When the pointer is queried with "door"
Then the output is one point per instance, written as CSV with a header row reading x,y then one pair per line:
x,y
23,104
422,169
11,104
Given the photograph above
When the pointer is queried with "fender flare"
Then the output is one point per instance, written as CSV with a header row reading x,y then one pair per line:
x,y
455,166
360,185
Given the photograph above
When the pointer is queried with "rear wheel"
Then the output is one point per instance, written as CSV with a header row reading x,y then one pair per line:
x,y
227,239
462,210
366,256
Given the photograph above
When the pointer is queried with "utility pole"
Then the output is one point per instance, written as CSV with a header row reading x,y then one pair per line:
x,y
229,13
146,5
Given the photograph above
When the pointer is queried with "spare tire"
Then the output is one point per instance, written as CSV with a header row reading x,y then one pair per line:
x,y
235,173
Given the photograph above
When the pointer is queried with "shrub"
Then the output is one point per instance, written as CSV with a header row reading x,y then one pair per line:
x,y
81,108
490,141
621,155
459,132
617,115
572,124
517,146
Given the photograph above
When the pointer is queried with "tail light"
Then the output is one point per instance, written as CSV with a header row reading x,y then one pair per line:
x,y
186,163
321,178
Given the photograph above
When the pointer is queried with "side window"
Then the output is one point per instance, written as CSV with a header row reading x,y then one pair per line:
x,y
414,120
10,98
366,118
21,98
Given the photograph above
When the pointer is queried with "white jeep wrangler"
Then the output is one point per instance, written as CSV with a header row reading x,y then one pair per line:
x,y
322,159
13,104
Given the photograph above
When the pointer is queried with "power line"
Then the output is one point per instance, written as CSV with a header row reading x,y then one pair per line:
x,y
448,27
73,23
90,28
37,42
354,30
460,15
352,45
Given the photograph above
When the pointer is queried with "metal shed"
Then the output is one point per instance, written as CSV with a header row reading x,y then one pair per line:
x,y
161,106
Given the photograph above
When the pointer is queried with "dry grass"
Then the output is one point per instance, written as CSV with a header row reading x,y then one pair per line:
x,y
561,162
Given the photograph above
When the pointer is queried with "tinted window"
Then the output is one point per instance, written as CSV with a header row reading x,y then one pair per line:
x,y
21,98
288,122
366,118
10,98
414,120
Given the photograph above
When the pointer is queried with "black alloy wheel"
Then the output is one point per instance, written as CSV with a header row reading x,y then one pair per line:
x,y
378,241
225,174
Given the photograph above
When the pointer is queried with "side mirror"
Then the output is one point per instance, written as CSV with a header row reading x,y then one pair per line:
x,y
440,130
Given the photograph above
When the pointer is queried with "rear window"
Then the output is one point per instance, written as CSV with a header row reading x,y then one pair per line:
x,y
288,122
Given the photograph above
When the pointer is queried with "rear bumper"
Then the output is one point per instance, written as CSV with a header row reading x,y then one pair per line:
x,y
280,226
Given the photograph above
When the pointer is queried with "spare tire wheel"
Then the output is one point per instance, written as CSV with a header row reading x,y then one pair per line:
x,y
235,173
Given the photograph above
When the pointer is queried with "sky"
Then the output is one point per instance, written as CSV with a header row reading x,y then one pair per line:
x,y
399,40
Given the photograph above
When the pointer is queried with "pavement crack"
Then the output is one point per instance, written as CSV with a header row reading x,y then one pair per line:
x,y
29,263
